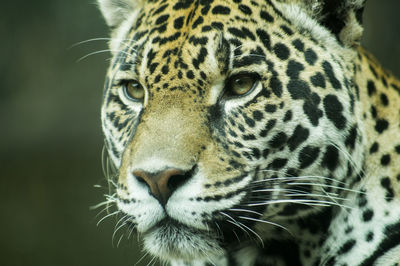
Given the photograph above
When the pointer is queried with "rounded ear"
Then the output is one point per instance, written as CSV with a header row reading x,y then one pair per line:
x,y
341,17
116,11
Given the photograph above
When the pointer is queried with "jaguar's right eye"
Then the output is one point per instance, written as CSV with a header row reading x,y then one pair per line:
x,y
133,90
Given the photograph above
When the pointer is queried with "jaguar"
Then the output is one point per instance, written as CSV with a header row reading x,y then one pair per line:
x,y
251,132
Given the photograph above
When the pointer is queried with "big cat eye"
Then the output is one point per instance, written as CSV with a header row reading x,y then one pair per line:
x,y
133,90
240,84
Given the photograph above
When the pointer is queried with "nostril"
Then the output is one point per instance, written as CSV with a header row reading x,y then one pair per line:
x,y
141,180
176,181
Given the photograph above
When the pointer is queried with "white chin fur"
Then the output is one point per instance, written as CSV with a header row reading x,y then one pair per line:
x,y
170,242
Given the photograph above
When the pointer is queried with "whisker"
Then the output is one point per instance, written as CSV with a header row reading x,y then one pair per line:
x,y
119,241
105,217
145,255
266,222
244,210
88,41
241,225
233,221
325,185
100,52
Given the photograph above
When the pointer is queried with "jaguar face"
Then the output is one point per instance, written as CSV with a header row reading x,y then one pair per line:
x,y
223,121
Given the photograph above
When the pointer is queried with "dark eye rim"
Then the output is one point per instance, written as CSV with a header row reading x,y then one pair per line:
x,y
227,92
124,84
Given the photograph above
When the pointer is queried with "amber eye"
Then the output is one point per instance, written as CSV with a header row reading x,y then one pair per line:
x,y
240,84
133,90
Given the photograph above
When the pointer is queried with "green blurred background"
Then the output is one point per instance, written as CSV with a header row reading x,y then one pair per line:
x,y
50,134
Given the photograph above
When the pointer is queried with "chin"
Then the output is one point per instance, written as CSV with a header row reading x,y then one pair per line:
x,y
170,241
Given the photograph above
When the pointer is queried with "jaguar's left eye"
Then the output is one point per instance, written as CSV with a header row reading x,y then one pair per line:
x,y
240,84
133,90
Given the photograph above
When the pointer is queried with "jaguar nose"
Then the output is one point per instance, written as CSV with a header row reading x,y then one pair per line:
x,y
163,184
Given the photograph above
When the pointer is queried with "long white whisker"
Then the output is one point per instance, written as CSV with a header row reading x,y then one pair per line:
x,y
241,225
99,52
325,185
105,217
297,201
266,222
244,210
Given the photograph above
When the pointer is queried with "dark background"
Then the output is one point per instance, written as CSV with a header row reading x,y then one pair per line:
x,y
50,134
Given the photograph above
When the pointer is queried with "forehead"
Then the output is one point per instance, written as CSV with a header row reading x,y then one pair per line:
x,y
171,24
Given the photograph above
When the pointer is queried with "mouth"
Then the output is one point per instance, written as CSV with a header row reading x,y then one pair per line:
x,y
172,239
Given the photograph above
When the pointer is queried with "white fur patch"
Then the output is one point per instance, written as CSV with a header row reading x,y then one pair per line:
x,y
303,21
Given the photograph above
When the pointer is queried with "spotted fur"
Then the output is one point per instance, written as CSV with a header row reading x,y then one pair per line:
x,y
301,169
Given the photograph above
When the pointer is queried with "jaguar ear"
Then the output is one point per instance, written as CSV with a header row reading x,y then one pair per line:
x,y
117,11
341,17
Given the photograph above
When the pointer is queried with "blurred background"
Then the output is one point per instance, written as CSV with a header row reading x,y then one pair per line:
x,y
50,134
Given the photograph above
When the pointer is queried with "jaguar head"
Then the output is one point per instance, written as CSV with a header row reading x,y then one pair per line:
x,y
227,120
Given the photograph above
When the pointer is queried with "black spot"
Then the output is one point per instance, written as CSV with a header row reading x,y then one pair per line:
x,y
351,138
249,137
183,4
385,159
281,51
348,230
318,80
162,19
268,127
386,184
298,44
197,22
190,74
307,156
397,148
276,85
153,67
222,10
278,140
245,9
250,122
257,115
367,215
294,68
311,56
373,111
362,200
165,69
369,237
371,87
381,125
256,153
266,16
287,30
331,75
205,9
384,99
288,116
278,163
242,33
374,148
310,108
160,9
333,110
236,143
217,25
264,38
300,134
373,71
270,108
347,246
298,89
331,158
